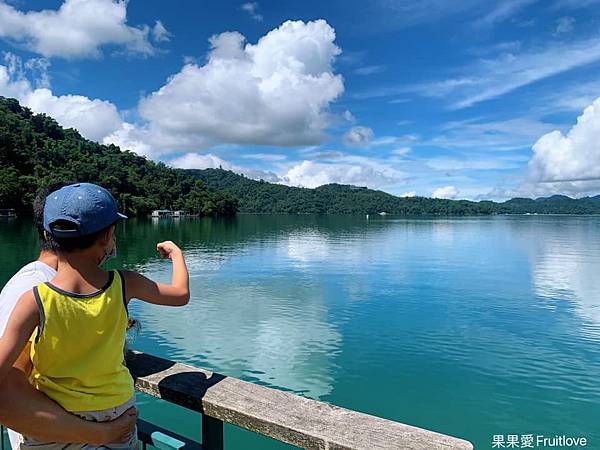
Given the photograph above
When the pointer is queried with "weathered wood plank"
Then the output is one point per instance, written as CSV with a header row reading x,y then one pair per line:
x,y
280,415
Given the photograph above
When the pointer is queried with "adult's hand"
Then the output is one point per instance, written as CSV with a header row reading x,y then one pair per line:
x,y
119,430
29,412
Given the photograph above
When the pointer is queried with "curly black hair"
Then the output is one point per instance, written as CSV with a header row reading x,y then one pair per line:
x,y
38,213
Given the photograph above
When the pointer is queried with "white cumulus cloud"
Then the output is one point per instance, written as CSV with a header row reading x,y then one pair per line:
x,y
274,92
79,28
199,161
93,118
571,157
211,161
450,192
132,137
348,116
358,136
350,170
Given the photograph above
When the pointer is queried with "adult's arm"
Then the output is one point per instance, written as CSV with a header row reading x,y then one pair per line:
x,y
29,412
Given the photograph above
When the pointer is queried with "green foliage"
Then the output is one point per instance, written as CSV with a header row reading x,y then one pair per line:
x,y
36,151
261,197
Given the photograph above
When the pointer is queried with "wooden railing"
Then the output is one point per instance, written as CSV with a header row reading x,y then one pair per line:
x,y
280,415
283,416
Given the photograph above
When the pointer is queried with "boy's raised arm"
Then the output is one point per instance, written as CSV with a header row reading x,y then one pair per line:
x,y
21,325
175,294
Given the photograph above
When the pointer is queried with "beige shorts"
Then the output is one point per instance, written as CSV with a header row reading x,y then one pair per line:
x,y
28,443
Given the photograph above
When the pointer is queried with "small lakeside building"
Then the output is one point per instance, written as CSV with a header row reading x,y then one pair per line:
x,y
8,212
164,213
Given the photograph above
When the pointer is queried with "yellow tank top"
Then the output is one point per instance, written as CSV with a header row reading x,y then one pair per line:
x,y
77,354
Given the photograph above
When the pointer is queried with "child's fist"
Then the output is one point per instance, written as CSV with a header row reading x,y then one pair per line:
x,y
167,249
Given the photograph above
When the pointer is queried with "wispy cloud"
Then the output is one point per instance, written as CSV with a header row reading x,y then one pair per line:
x,y
402,13
489,163
369,70
351,57
478,134
502,11
564,25
574,97
264,156
397,101
426,89
574,4
490,78
160,33
252,9
509,72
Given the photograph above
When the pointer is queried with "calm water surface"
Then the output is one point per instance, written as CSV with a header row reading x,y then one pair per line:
x,y
472,327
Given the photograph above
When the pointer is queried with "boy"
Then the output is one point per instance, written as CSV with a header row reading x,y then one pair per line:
x,y
21,406
81,315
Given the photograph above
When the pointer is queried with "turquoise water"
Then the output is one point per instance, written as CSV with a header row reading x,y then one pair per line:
x,y
472,327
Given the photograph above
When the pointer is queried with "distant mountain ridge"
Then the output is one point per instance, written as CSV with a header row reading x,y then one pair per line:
x,y
257,196
35,151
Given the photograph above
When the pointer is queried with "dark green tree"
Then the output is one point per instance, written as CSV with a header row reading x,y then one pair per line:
x,y
35,151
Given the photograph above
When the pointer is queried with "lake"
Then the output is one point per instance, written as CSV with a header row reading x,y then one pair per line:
x,y
472,327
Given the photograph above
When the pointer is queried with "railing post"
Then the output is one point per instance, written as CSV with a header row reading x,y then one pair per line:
x,y
212,433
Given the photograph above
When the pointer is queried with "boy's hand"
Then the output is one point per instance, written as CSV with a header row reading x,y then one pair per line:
x,y
167,249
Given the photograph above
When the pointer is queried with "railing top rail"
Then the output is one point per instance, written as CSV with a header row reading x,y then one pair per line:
x,y
280,415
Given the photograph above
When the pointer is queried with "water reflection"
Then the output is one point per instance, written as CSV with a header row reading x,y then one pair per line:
x,y
306,246
565,267
472,326
261,298
248,317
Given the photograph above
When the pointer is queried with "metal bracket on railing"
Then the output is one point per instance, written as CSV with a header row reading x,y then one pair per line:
x,y
212,433
164,442
155,436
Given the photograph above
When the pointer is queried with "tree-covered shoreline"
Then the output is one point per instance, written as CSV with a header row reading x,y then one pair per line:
x,y
36,151
257,196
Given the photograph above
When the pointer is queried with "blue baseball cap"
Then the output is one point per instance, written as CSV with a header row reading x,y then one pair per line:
x,y
90,208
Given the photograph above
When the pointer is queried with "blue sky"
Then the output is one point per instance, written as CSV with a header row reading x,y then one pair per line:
x,y
462,99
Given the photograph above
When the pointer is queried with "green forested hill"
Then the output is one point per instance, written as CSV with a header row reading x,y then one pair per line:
x,y
262,197
35,151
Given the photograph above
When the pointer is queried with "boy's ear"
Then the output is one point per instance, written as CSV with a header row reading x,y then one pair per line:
x,y
111,232
108,235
